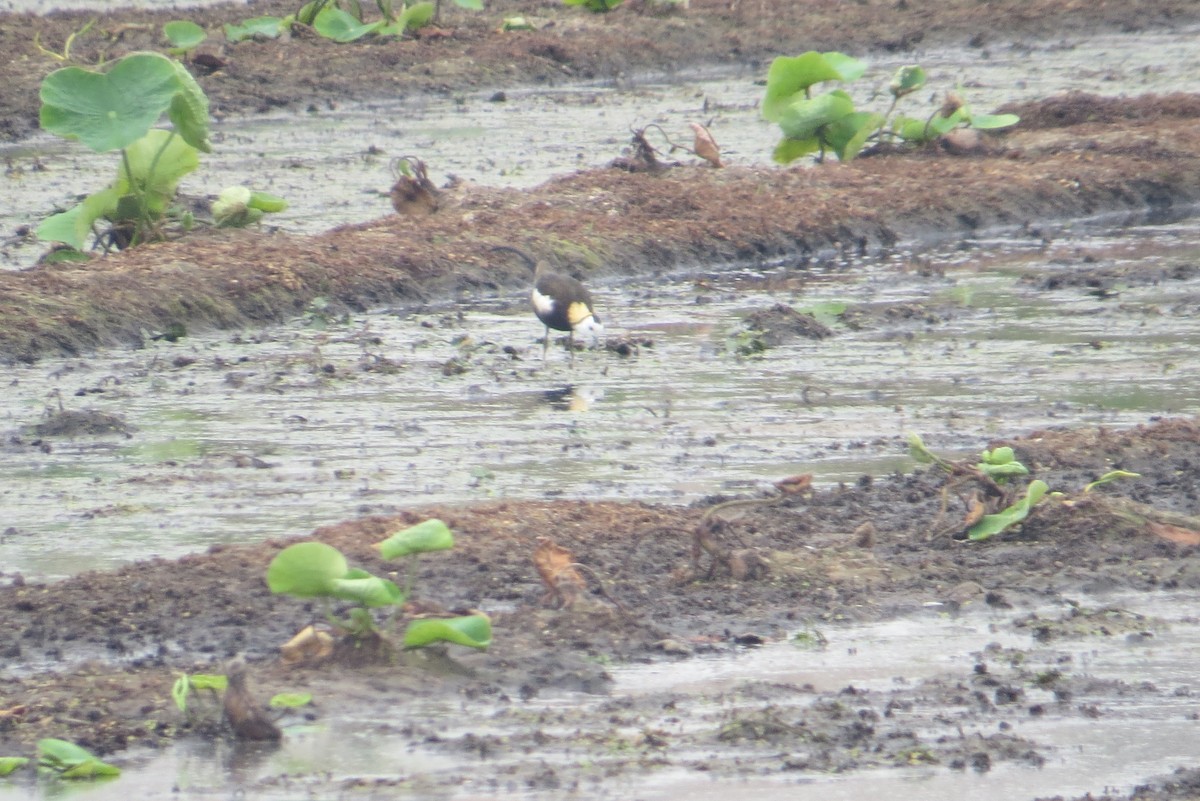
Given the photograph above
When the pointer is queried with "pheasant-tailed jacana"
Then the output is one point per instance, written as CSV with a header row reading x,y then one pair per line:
x,y
559,301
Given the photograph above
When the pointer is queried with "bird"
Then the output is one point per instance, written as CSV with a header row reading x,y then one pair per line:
x,y
559,301
245,716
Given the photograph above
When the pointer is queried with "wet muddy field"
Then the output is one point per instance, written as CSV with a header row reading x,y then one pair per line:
x,y
177,414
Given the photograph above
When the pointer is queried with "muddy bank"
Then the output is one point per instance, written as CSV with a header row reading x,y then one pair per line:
x,y
98,652
612,222
570,45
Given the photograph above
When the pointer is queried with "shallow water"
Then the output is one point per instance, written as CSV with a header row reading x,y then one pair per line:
x,y
333,165
1145,734
249,436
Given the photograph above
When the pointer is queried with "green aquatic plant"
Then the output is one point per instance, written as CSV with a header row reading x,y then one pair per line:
x,y
595,6
10,764
831,122
116,110
184,36
318,570
990,525
183,686
70,761
256,28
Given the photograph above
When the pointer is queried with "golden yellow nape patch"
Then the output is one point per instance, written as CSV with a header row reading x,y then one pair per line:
x,y
577,312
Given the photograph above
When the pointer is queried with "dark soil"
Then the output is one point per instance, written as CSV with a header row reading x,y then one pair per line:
x,y
92,659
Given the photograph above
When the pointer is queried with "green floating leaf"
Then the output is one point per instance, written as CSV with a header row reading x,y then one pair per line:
x,y
209,681
109,111
290,700
1112,475
473,631
340,26
361,587
254,28
991,525
72,761
9,764
184,34
477,5
92,769
306,570
431,535
264,201
988,122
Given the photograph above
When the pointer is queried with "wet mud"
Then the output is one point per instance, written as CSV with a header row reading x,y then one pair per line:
x,y
92,658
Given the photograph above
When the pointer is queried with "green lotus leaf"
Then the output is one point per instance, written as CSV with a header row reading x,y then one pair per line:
x,y
109,111
188,111
9,764
907,80
473,631
989,122
208,681
788,150
306,570
180,691
290,700
156,164
991,525
803,118
256,27
341,26
791,76
91,769
73,226
361,587
477,5
848,135
184,34
264,201
431,535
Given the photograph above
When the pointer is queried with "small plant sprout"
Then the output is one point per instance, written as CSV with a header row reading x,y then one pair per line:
x,y
214,683
65,55
990,525
184,36
290,700
70,761
317,570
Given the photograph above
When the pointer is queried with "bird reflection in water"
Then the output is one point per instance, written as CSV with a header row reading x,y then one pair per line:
x,y
570,398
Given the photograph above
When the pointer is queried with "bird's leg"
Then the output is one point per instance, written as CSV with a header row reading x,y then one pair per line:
x,y
545,343
571,345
